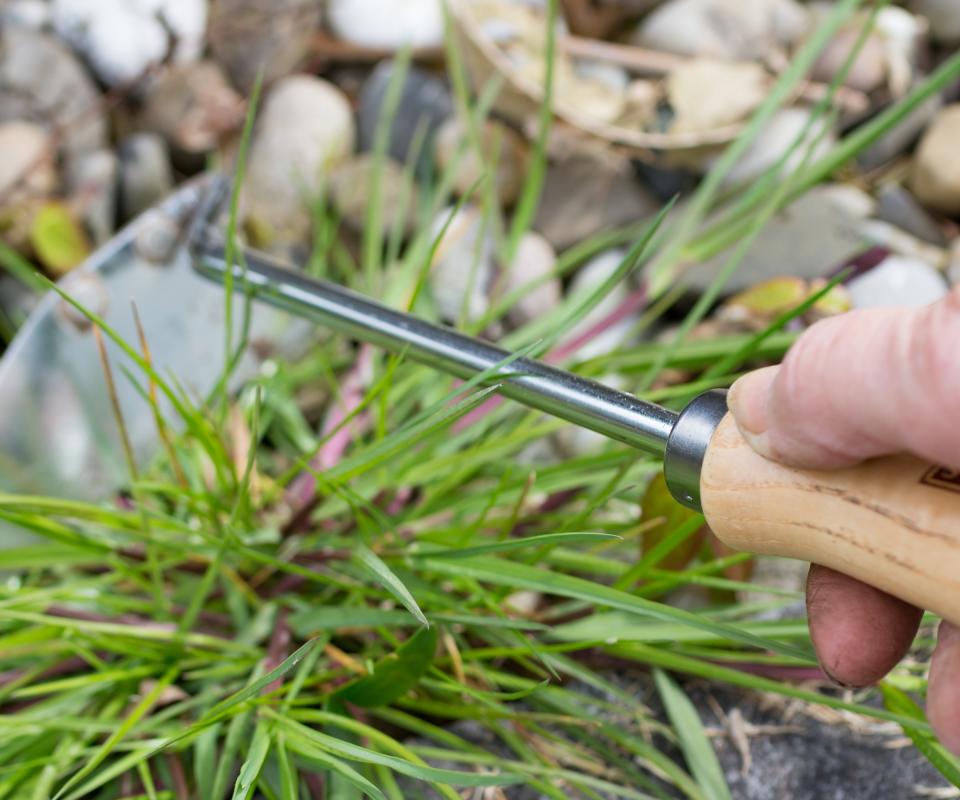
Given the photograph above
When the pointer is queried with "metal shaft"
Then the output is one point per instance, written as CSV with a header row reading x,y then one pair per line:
x,y
583,402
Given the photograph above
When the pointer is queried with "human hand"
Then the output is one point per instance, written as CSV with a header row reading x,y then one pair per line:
x,y
865,384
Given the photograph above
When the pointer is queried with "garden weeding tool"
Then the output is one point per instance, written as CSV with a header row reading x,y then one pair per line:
x,y
893,522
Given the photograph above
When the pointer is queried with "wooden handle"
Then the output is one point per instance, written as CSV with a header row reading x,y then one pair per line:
x,y
892,522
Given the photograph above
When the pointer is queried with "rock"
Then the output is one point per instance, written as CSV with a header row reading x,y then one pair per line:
x,y
813,235
868,71
350,185
776,139
589,277
387,25
43,82
26,161
935,179
92,187
463,268
730,29
583,196
898,207
944,19
425,103
898,281
883,236
193,107
33,14
123,40
454,149
146,176
306,128
902,136
904,38
706,93
535,260
275,35
953,269
27,177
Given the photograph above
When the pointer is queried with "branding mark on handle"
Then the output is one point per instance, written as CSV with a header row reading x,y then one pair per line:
x,y
942,478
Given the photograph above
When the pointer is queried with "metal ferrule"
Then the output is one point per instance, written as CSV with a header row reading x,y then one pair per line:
x,y
688,443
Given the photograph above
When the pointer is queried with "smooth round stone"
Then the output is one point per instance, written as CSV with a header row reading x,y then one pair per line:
x,y
244,45
146,175
305,129
42,80
387,24
589,277
732,29
463,268
193,107
898,281
454,150
122,39
935,179
583,195
776,138
33,14
868,70
350,185
424,104
24,169
535,259
943,16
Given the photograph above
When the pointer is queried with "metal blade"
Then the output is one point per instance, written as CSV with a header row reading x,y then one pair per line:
x,y
58,434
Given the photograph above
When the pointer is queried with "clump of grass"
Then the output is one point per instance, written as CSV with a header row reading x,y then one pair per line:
x,y
287,603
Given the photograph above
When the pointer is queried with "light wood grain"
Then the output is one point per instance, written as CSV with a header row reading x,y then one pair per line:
x,y
892,522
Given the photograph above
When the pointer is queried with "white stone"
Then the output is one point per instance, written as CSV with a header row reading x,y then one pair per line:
x,y
943,16
880,233
590,276
535,259
462,273
122,38
387,24
773,142
732,29
902,34
34,14
898,282
306,127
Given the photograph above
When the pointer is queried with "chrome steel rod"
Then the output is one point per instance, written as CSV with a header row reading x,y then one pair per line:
x,y
583,402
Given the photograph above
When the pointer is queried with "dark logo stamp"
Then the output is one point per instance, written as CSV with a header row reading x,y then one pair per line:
x,y
943,478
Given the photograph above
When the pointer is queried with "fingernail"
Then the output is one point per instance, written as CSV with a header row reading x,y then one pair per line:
x,y
748,402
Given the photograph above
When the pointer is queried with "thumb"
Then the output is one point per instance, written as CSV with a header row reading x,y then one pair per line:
x,y
864,384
